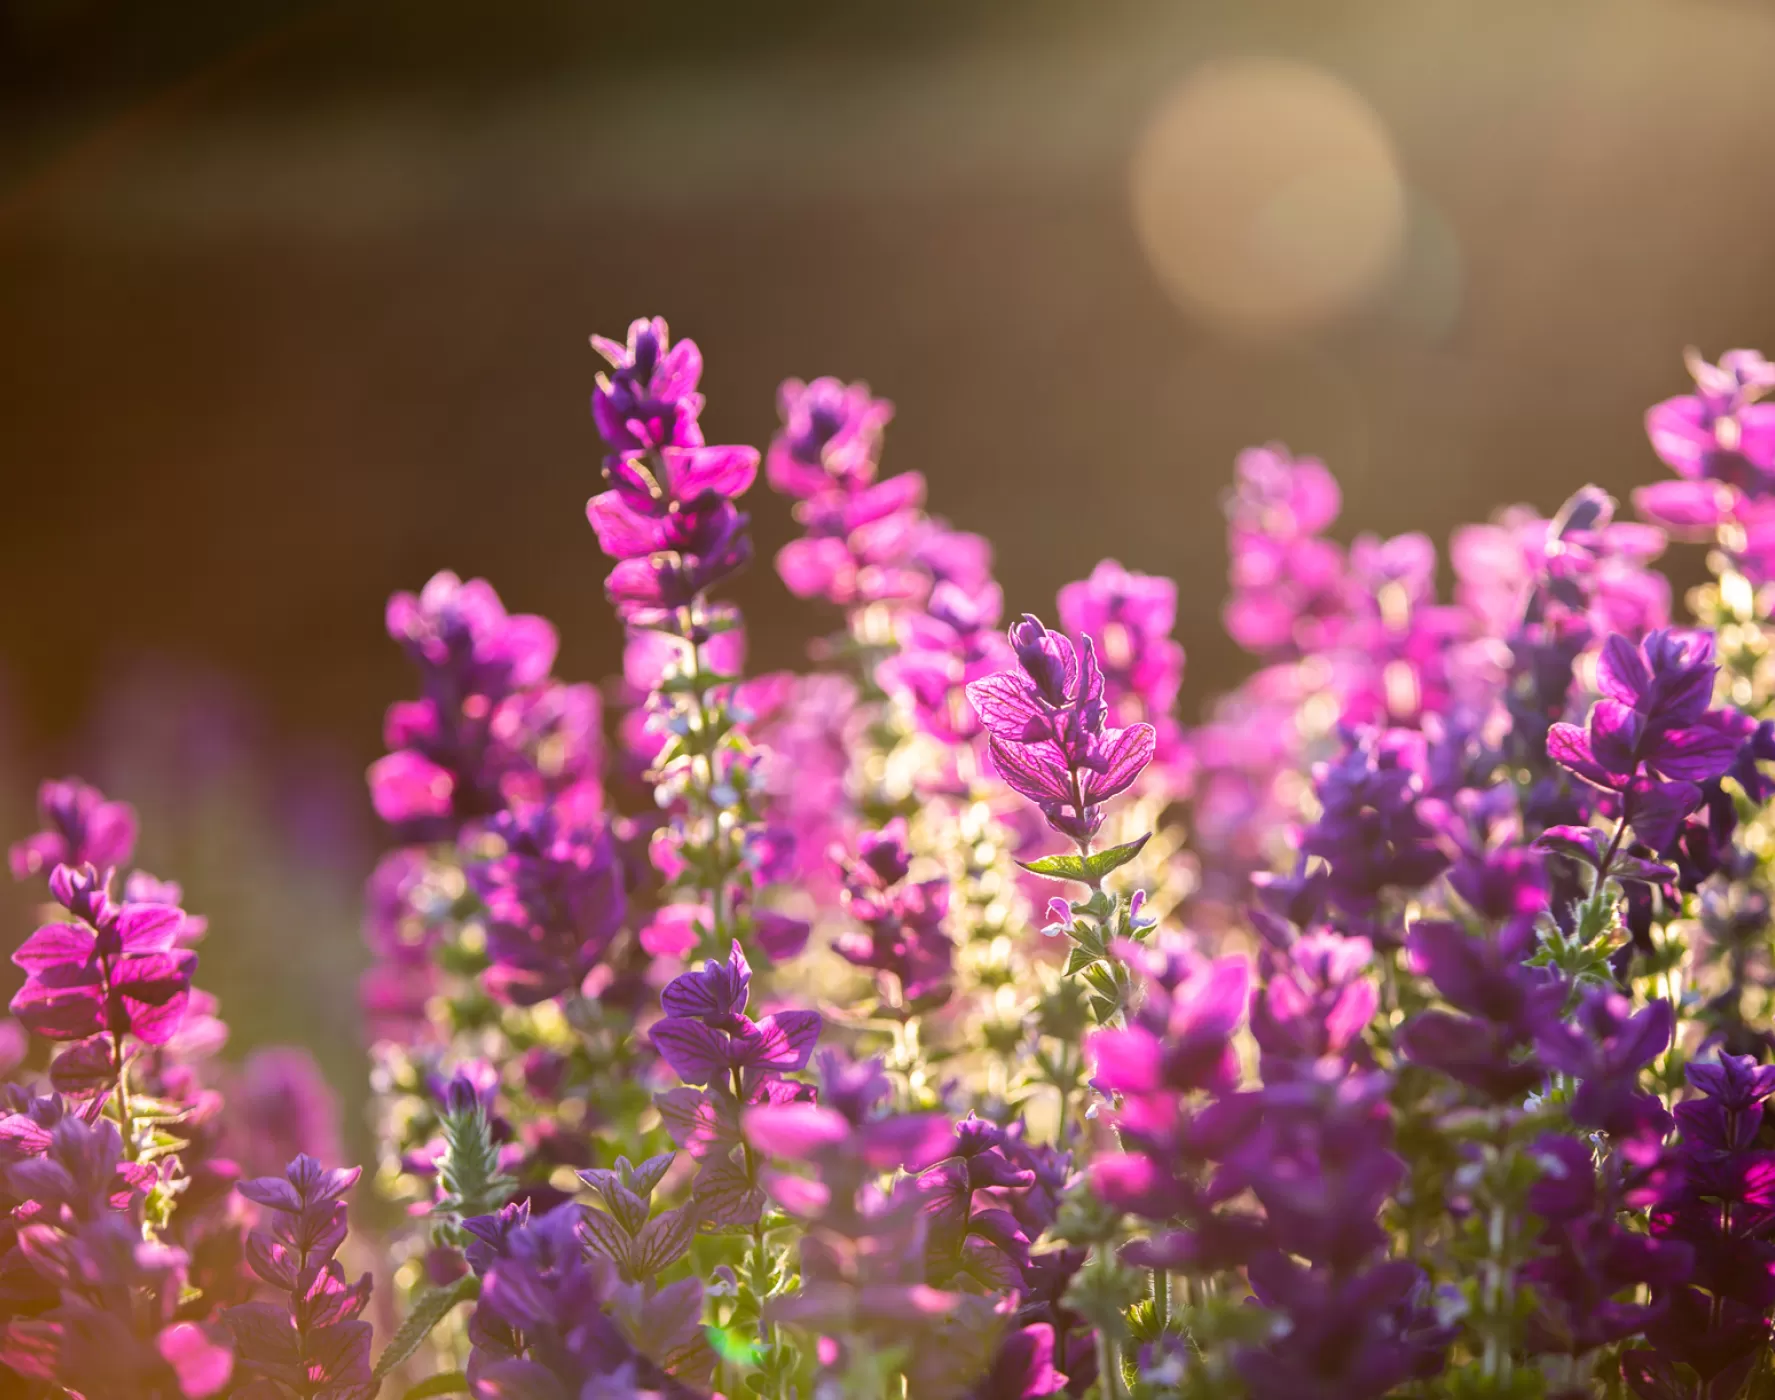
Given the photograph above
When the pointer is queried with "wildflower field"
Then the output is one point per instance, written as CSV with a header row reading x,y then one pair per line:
x,y
952,1020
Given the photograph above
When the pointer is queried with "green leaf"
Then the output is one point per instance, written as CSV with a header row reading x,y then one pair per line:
x,y
1080,959
731,1345
449,1383
429,1309
1088,870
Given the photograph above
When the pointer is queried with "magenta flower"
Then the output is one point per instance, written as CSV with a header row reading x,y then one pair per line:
x,y
850,1133
1047,728
490,723
80,827
1286,579
648,399
901,920
1129,618
1719,440
669,518
944,650
116,970
831,437
861,545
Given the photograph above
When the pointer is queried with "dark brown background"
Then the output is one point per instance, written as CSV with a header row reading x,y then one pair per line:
x,y
296,296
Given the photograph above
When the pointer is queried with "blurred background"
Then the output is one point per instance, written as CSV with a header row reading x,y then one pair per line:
x,y
296,298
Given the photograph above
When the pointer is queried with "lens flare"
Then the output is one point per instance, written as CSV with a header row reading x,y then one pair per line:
x,y
1267,196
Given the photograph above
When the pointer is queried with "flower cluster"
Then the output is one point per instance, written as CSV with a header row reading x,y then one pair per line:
x,y
669,518
1047,727
954,1020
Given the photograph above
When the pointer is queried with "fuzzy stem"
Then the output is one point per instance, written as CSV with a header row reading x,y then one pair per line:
x,y
1109,1364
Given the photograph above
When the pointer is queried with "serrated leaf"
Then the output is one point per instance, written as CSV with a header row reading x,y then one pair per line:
x,y
449,1383
1088,870
431,1308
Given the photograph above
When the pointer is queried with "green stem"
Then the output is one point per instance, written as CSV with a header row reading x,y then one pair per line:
x,y
1109,1364
760,1263
703,768
120,1097
1608,856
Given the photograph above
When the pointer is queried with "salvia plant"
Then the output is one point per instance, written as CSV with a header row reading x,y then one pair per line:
x,y
952,1021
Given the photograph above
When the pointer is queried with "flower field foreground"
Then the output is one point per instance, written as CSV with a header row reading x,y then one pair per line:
x,y
950,1020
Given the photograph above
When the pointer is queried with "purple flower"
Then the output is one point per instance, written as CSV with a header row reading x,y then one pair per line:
x,y
1369,828
554,1323
117,970
648,400
490,725
1129,618
1047,727
1507,1004
1605,1045
831,437
316,1343
110,1332
1022,1367
1720,1206
973,1242
1549,589
901,920
1321,1163
707,1039
1316,1000
80,827
554,899
1179,1044
1586,1259
1347,1337
1652,739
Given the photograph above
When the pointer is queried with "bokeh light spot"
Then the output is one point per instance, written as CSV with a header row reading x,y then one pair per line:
x,y
1267,195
